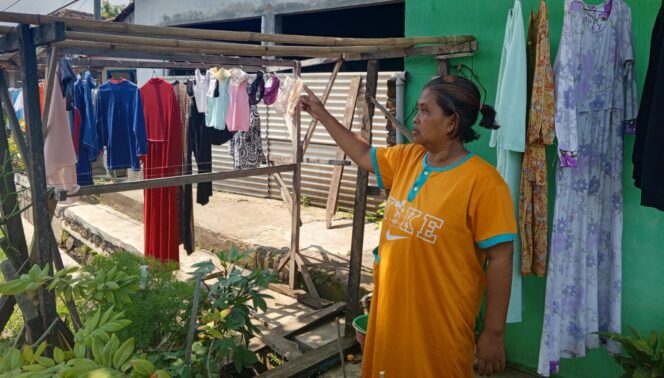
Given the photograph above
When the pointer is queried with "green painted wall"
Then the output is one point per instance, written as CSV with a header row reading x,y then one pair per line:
x,y
643,233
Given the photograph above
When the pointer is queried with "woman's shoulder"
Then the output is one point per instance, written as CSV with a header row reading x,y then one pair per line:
x,y
484,173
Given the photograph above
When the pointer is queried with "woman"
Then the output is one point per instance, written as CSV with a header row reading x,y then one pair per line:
x,y
447,213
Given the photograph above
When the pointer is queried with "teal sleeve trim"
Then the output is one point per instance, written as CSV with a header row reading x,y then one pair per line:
x,y
374,161
376,255
490,242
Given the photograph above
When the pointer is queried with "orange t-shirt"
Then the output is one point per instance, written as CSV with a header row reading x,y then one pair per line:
x,y
429,276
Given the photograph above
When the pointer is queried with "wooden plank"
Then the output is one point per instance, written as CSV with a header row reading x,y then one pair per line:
x,y
48,89
41,35
306,275
323,99
312,362
360,208
402,129
337,172
45,243
7,304
220,35
284,347
300,324
463,47
33,320
61,195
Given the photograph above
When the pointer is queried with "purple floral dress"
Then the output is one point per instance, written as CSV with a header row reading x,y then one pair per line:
x,y
595,99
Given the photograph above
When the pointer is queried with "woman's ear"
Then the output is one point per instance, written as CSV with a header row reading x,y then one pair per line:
x,y
452,124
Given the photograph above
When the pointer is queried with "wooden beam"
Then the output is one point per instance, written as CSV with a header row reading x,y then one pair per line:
x,y
300,324
7,305
312,160
45,242
317,61
311,363
126,63
201,46
326,94
219,35
337,172
48,89
33,320
284,347
172,181
41,35
202,59
402,129
463,47
360,208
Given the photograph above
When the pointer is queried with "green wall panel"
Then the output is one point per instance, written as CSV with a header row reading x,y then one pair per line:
x,y
643,230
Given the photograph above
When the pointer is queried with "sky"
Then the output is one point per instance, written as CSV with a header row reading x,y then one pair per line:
x,y
47,6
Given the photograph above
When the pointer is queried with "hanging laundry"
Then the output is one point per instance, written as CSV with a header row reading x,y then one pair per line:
x,y
595,99
121,125
246,147
510,139
67,81
200,141
17,100
185,210
59,154
237,116
218,100
287,100
86,153
164,159
533,201
91,135
271,90
647,156
201,86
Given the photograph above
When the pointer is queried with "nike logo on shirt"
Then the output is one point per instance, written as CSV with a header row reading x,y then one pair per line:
x,y
389,236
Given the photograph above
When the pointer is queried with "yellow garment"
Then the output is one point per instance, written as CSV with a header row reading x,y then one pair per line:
x,y
428,276
220,73
533,203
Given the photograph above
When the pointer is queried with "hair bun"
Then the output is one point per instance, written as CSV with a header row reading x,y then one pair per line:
x,y
488,117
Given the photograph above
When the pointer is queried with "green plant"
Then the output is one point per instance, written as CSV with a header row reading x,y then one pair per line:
x,y
305,200
224,323
645,356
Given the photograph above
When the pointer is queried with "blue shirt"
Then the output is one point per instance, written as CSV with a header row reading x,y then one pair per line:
x,y
121,124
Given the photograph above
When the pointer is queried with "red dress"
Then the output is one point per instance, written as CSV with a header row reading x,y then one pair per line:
x,y
164,158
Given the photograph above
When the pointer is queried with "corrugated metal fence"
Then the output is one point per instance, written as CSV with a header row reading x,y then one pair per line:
x,y
315,177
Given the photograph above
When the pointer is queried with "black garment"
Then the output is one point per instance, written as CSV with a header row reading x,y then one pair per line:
x,y
648,155
67,79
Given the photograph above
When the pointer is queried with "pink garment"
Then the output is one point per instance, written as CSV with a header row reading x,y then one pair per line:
x,y
237,116
59,153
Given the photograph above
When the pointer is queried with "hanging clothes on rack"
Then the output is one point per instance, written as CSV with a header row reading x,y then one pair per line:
x,y
85,154
200,141
201,87
238,113
595,99
647,156
247,147
510,139
121,124
271,89
287,100
533,201
218,99
59,154
185,210
164,159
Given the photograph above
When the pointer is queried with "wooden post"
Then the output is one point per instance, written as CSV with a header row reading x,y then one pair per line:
x,y
48,88
357,243
34,324
297,175
45,244
442,66
338,171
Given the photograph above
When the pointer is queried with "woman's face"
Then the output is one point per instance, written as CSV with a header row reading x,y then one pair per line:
x,y
431,126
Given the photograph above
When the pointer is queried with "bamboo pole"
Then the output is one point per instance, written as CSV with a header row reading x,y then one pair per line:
x,y
225,47
220,35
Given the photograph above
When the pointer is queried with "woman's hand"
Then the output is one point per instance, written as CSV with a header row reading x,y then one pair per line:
x,y
490,353
311,104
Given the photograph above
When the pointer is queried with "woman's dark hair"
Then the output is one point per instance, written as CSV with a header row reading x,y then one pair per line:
x,y
460,96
